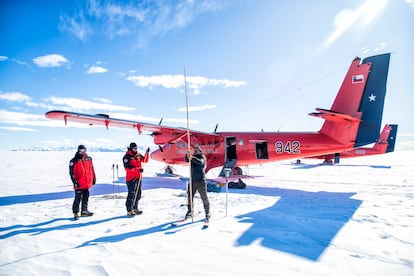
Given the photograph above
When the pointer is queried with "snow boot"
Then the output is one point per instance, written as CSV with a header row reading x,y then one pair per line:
x,y
86,213
75,216
137,211
131,213
188,215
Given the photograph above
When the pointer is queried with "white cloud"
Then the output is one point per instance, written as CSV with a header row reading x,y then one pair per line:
x,y
22,119
75,104
3,58
195,83
53,60
346,18
76,25
14,97
27,119
103,100
141,19
140,118
18,129
411,3
19,97
96,70
197,108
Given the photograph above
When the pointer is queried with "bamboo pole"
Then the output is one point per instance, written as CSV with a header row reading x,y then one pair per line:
x,y
190,188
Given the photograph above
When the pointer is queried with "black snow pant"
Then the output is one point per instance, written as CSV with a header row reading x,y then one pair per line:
x,y
201,187
80,195
132,186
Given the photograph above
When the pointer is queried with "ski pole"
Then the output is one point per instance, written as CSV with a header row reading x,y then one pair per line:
x,y
113,181
117,176
227,172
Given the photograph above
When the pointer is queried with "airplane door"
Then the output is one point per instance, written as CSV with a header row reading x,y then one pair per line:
x,y
230,157
231,152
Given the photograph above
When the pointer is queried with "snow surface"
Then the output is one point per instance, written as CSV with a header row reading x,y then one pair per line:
x,y
355,218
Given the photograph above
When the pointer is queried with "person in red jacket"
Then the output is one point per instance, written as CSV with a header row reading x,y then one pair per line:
x,y
133,166
82,174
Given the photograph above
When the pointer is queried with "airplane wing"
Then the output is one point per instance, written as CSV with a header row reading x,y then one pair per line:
x,y
161,134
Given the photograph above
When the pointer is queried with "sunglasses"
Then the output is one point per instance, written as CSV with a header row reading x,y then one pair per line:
x,y
82,150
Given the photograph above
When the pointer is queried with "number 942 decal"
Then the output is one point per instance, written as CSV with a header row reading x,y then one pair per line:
x,y
289,147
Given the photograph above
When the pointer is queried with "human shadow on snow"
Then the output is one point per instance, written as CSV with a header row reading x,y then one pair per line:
x,y
97,190
36,229
301,223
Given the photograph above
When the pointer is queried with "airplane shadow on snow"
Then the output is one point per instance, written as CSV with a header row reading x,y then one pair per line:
x,y
301,223
311,166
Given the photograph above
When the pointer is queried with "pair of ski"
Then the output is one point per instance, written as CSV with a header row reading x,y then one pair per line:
x,y
187,221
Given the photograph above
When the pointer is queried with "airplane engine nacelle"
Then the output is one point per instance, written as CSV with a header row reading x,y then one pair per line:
x,y
166,138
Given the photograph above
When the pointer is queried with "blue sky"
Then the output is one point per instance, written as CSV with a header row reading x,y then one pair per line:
x,y
249,65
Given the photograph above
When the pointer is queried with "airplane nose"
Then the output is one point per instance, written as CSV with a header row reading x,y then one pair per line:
x,y
156,155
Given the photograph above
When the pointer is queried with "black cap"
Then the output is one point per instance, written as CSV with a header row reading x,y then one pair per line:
x,y
132,145
81,147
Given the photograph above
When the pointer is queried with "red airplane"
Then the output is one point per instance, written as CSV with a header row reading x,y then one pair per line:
x,y
354,120
385,144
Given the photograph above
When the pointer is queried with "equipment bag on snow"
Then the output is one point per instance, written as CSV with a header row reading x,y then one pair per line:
x,y
237,185
213,187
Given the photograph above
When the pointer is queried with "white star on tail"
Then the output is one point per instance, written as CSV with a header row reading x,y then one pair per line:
x,y
372,98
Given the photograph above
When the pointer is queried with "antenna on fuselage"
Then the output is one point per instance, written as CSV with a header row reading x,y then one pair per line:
x,y
161,121
215,129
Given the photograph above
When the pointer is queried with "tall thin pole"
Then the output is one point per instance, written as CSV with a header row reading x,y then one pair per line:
x,y
227,172
190,188
113,181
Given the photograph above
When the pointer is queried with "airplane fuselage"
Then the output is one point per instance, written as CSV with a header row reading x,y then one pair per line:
x,y
248,148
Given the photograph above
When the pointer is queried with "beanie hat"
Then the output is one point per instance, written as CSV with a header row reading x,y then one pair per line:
x,y
81,147
132,145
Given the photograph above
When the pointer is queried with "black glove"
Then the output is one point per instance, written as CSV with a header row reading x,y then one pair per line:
x,y
141,170
148,150
94,181
75,183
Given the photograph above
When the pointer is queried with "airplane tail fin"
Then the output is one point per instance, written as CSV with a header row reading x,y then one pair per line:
x,y
386,141
372,103
392,138
356,114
